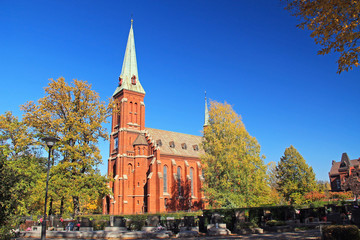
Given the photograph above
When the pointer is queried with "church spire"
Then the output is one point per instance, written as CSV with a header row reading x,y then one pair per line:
x,y
206,120
129,78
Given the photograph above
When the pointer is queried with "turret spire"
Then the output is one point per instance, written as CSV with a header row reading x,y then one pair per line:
x,y
129,78
206,120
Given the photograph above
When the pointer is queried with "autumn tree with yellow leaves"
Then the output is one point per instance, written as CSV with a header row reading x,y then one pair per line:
x,y
74,114
334,24
234,171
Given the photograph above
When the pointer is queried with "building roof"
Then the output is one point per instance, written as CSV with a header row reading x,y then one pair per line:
x,y
140,140
129,68
336,166
173,143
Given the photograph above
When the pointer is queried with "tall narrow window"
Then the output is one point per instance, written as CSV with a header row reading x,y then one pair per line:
x,y
135,113
116,142
192,181
114,170
165,179
179,179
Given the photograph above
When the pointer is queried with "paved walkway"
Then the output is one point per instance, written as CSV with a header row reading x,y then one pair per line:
x,y
308,234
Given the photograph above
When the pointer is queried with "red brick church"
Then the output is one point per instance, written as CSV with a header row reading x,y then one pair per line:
x,y
153,170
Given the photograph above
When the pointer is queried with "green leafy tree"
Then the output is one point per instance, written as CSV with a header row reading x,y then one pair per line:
x,y
74,114
334,24
9,197
23,158
234,171
294,177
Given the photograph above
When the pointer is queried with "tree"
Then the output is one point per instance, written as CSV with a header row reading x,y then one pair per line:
x,y
23,158
334,24
74,114
234,171
294,177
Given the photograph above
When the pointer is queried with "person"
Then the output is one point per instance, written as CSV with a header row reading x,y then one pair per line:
x,y
70,226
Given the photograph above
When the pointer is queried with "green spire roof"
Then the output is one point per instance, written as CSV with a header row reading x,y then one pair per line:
x,y
129,77
206,120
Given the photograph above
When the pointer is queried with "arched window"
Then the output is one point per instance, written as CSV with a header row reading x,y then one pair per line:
x,y
165,179
179,179
135,113
192,181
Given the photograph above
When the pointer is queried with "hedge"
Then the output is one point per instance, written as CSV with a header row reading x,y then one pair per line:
x,y
340,232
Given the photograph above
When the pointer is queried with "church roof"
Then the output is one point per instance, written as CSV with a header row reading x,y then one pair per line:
x,y
173,143
337,167
140,140
129,77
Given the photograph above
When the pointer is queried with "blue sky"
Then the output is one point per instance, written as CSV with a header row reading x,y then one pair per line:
x,y
247,53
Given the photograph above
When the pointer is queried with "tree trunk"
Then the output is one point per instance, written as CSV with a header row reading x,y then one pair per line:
x,y
62,206
50,207
76,205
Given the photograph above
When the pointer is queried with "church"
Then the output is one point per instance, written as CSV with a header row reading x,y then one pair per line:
x,y
153,170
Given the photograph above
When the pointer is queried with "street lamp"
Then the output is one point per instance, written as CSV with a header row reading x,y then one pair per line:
x,y
50,142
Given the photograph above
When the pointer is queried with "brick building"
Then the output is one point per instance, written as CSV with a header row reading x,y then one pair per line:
x,y
340,170
153,170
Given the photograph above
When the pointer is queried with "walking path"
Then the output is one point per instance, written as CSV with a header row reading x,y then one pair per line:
x,y
308,234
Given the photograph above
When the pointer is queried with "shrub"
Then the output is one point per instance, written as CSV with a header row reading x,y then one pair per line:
x,y
273,223
339,232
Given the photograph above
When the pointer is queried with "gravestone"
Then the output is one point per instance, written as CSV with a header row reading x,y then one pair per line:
x,y
216,219
189,221
189,228
153,221
119,221
217,228
57,223
85,225
334,218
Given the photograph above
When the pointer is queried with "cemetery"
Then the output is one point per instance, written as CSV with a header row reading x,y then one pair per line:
x,y
214,222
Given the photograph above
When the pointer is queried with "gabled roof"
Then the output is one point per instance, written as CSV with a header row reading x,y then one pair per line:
x,y
336,166
177,140
129,68
140,140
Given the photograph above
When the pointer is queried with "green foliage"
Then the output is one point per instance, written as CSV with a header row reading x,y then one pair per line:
x,y
10,193
294,177
335,232
73,114
273,223
235,173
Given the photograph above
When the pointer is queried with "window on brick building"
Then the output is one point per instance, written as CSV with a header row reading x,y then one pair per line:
x,y
196,147
192,181
116,142
183,146
172,144
179,180
158,143
165,179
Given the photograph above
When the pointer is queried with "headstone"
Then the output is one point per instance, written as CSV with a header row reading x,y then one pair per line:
x,y
153,221
85,222
216,219
189,221
56,222
119,222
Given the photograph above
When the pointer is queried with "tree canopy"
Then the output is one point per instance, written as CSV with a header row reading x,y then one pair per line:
x,y
235,173
334,24
294,177
74,114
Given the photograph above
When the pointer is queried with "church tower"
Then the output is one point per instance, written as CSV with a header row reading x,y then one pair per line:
x,y
128,146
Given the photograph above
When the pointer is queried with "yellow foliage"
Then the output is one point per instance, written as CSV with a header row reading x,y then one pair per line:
x,y
334,24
